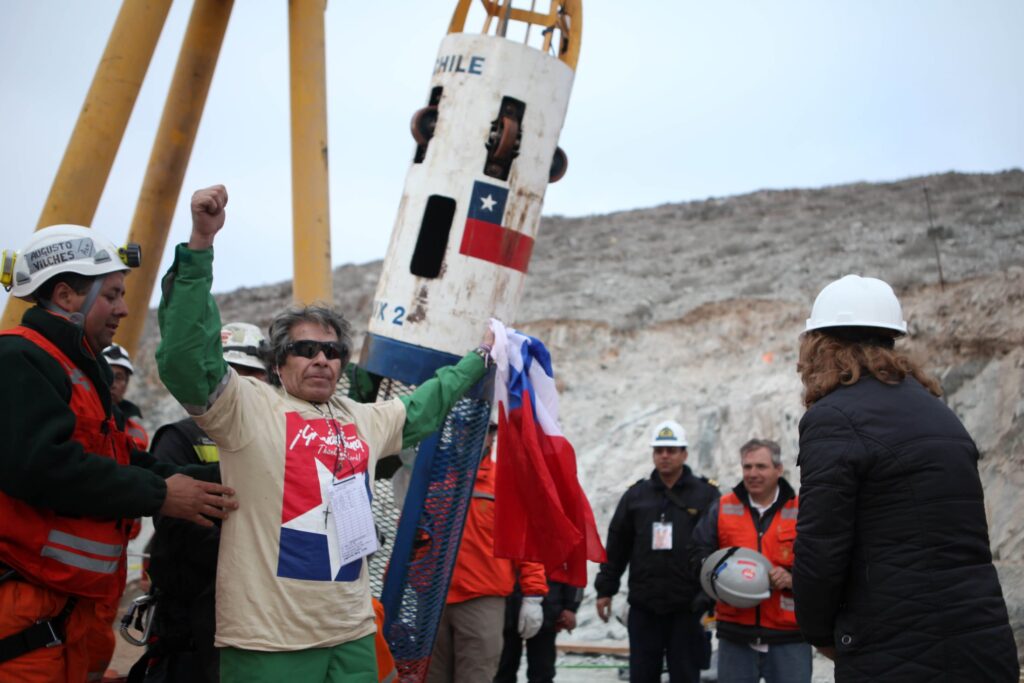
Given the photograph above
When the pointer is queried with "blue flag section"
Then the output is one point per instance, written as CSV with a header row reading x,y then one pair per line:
x,y
487,203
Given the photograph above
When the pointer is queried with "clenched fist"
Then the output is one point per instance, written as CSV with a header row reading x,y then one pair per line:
x,y
207,215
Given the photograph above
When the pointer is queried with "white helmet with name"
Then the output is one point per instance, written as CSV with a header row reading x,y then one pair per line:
x,y
64,249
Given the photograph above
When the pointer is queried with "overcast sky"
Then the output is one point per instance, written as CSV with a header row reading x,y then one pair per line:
x,y
673,100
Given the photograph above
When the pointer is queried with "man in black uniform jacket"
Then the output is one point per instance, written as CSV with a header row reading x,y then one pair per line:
x,y
650,532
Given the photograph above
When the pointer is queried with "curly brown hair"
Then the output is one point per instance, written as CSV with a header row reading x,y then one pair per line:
x,y
828,360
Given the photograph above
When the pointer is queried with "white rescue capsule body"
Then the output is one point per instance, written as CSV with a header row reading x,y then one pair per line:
x,y
487,147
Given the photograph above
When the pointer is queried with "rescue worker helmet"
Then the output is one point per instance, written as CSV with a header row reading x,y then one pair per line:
x,y
244,344
66,249
116,355
855,301
669,433
736,576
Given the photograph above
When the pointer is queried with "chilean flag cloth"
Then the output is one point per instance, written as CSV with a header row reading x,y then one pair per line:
x,y
540,511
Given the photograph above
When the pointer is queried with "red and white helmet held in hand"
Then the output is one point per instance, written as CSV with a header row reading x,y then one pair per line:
x,y
736,576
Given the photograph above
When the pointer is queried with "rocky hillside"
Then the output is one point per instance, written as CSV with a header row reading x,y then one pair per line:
x,y
692,311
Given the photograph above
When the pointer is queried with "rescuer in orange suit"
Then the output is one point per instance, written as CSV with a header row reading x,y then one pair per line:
x,y
469,637
760,513
70,478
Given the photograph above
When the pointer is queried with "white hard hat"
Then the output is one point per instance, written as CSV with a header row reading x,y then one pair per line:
x,y
669,433
244,345
64,249
736,576
116,355
855,301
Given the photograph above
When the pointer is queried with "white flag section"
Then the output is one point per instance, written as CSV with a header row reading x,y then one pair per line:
x,y
511,353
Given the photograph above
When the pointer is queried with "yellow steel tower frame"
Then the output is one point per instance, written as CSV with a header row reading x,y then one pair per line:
x,y
83,171
104,116
565,16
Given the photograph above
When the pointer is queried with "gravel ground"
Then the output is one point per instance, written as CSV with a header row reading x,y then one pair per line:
x,y
571,668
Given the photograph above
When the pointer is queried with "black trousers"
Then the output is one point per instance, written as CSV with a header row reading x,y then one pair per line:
x,y
653,638
184,650
540,650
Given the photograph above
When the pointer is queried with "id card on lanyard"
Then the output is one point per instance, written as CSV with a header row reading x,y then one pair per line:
x,y
353,519
661,535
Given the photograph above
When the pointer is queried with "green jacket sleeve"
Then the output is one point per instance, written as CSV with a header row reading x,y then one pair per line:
x,y
428,406
190,357
362,385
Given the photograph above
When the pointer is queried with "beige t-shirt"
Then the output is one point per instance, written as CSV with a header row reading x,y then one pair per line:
x,y
280,582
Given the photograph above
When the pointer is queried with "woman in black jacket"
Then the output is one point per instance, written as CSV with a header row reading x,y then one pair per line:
x,y
893,575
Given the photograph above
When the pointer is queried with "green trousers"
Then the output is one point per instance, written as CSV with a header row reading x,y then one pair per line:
x,y
352,662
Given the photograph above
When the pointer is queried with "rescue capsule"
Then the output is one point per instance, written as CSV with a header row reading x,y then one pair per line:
x,y
485,149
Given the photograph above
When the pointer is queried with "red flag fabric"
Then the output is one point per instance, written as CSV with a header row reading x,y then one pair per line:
x,y
541,512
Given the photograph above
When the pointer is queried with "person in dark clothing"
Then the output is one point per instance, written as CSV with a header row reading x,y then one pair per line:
x,y
560,606
760,513
893,575
183,564
649,533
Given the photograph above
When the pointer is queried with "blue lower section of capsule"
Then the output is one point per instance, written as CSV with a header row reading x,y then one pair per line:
x,y
411,364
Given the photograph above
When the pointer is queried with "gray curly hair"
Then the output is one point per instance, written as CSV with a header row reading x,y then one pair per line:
x,y
281,326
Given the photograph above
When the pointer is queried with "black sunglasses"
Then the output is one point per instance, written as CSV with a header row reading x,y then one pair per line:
x,y
307,348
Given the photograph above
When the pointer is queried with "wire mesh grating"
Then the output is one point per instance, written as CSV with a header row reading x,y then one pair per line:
x,y
427,541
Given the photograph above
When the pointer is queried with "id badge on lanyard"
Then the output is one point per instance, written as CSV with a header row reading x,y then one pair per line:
x,y
353,519
661,535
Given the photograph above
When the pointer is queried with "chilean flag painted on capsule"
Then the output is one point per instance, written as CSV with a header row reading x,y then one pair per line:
x,y
540,511
314,449
485,238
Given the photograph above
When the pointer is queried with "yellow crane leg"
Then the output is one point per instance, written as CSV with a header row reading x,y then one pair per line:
x,y
83,171
171,151
311,224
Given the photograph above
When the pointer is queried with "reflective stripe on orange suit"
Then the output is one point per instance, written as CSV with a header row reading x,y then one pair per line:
x,y
477,572
736,528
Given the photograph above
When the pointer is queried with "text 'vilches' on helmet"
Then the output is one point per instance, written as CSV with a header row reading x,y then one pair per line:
x,y
669,433
736,576
63,249
116,355
855,301
244,345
